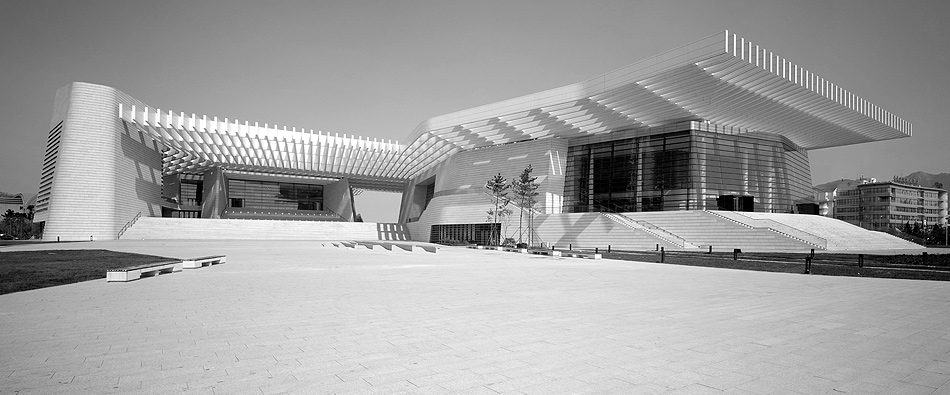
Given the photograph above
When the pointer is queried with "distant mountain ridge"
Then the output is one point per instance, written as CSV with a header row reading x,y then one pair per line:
x,y
925,179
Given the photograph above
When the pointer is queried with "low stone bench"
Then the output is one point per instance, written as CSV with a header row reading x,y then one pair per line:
x,y
147,270
552,253
197,263
481,247
381,245
581,255
354,245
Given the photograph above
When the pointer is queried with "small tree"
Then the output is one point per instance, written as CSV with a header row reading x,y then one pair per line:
x,y
525,188
498,187
503,216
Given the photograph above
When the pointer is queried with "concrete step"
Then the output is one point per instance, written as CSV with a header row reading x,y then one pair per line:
x,y
236,229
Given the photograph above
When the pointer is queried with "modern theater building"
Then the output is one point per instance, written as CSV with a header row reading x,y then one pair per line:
x,y
720,125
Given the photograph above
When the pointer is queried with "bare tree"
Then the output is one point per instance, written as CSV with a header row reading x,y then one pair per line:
x,y
525,188
498,186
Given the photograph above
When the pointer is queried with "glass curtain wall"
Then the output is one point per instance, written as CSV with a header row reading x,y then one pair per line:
x,y
686,170
274,195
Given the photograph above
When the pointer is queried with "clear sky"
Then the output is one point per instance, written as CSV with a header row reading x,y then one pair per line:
x,y
378,69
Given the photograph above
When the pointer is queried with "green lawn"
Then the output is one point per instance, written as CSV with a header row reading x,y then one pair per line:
x,y
26,270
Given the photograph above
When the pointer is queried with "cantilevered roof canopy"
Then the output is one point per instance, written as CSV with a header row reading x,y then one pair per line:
x,y
722,79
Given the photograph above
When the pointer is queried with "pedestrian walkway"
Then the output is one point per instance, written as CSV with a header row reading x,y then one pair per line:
x,y
295,317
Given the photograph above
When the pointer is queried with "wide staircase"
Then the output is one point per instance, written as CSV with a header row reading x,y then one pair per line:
x,y
703,229
589,230
235,229
840,235
654,230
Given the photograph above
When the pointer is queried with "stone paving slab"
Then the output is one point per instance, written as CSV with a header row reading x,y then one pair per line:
x,y
294,317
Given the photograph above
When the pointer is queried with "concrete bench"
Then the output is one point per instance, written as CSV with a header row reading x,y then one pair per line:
x,y
147,270
581,255
197,263
354,245
552,253
481,247
381,245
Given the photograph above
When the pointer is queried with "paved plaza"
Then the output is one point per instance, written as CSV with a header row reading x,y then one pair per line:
x,y
296,317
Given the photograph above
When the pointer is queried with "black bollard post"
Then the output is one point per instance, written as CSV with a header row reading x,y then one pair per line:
x,y
710,250
596,250
807,265
57,239
812,253
657,247
861,260
570,246
662,254
90,237
735,254
608,248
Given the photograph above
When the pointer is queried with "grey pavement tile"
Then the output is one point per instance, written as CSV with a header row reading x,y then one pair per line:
x,y
937,366
726,381
858,387
927,379
695,389
907,389
463,321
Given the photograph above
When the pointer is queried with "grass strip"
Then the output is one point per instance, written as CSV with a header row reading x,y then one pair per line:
x,y
26,270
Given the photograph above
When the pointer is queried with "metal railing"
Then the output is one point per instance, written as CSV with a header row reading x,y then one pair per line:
x,y
654,230
128,225
771,225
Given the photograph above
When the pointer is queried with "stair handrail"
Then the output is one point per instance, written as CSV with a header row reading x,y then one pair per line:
x,y
650,226
128,225
624,220
821,241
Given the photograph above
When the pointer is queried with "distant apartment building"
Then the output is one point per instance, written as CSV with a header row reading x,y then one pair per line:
x,y
889,204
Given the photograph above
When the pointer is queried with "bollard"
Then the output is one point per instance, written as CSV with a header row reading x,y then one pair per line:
x,y
807,265
812,253
570,247
657,247
90,237
735,254
596,250
860,260
608,248
57,239
710,250
663,255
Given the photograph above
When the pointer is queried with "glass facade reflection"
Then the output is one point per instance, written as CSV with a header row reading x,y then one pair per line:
x,y
686,170
274,195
